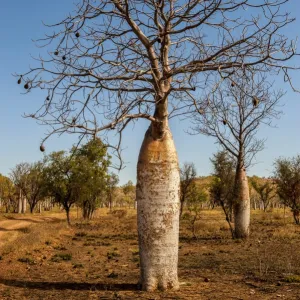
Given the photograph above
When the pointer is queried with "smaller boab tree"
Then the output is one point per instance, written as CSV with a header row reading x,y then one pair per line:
x,y
287,179
232,114
187,178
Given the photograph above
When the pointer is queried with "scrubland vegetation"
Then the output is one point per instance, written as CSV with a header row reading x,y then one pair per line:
x,y
99,259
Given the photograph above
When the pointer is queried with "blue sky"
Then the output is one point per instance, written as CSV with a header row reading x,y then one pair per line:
x,y
21,21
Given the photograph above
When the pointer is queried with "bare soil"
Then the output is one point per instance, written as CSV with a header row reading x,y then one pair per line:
x,y
43,258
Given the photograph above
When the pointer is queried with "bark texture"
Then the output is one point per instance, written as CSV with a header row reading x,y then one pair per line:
x,y
158,205
242,205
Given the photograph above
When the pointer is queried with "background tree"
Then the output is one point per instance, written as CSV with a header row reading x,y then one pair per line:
x,y
18,175
114,61
222,186
8,194
129,192
287,179
60,181
187,181
265,190
29,178
196,198
232,114
111,187
91,163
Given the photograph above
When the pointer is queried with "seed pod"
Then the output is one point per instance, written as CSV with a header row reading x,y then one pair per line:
x,y
48,98
42,148
26,86
56,53
73,120
19,80
224,122
64,57
159,39
77,34
232,84
255,101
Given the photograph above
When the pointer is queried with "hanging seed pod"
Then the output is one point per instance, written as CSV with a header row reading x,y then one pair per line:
x,y
20,80
56,52
77,34
64,57
26,86
159,39
42,148
255,101
48,98
232,84
224,122
73,120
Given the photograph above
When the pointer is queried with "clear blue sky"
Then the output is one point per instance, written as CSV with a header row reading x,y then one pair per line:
x,y
20,22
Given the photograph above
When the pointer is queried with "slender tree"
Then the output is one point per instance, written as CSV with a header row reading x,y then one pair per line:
x,y
115,61
232,114
265,189
60,181
29,178
129,192
222,186
91,163
287,179
111,186
187,177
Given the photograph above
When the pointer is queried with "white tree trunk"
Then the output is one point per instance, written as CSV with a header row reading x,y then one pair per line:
x,y
242,206
20,203
157,196
24,204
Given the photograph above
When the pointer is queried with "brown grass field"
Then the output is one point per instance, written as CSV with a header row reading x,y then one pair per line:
x,y
42,258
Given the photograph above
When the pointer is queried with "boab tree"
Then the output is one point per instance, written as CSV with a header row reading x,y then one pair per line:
x,y
232,115
115,61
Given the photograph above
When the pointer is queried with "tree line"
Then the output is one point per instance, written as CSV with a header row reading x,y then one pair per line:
x,y
78,177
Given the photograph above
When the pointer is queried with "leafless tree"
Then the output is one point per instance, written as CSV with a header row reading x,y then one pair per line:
x,y
116,61
232,114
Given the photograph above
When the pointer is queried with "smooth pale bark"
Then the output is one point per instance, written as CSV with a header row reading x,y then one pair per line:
x,y
242,205
24,204
157,196
20,203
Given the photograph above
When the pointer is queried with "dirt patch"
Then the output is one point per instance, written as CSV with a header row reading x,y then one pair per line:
x,y
99,260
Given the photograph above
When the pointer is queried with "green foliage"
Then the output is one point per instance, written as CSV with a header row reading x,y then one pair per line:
x,y
265,189
8,194
287,179
222,187
79,176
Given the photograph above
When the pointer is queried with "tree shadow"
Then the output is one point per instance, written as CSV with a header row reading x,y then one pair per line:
x,y
78,286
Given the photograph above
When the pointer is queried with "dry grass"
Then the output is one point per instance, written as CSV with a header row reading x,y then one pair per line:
x,y
99,260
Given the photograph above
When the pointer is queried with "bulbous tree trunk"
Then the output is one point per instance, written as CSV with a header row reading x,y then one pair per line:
x,y
241,205
157,195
